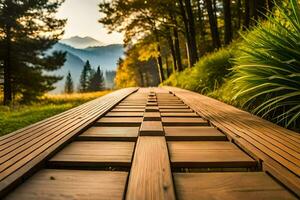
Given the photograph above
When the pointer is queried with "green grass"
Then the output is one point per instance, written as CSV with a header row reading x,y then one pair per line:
x,y
19,116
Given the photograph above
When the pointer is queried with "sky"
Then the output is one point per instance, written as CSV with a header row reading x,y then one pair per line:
x,y
82,21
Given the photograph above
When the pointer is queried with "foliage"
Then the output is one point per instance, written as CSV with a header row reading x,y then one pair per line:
x,y
69,86
96,81
267,74
13,118
208,74
85,77
27,30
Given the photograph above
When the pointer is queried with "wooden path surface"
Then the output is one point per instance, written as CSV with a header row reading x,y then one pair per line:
x,y
151,144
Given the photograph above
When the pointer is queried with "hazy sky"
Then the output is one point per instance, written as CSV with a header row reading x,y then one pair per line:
x,y
83,18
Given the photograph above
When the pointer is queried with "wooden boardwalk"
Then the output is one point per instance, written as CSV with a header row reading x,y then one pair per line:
x,y
151,143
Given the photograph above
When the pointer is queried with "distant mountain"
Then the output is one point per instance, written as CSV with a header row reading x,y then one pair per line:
x,y
104,56
81,42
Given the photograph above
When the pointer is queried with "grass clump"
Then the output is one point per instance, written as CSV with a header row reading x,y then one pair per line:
x,y
267,73
18,116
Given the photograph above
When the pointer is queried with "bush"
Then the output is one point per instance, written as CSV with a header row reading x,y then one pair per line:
x,y
208,74
267,74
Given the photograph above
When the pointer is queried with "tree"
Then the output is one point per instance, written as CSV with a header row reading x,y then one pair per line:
x,y
97,81
28,29
69,86
85,77
227,21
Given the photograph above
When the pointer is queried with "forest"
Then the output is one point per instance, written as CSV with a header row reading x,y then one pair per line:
x,y
242,52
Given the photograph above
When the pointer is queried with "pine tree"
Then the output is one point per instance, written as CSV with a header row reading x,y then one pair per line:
x,y
69,86
28,29
97,81
85,77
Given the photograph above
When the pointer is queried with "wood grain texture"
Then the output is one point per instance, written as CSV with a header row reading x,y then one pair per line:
x,y
152,116
193,133
119,121
150,176
208,154
94,153
274,145
53,184
151,128
124,114
28,147
179,114
233,186
183,121
164,110
110,133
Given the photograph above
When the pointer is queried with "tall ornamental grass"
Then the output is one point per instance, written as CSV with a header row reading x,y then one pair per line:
x,y
267,73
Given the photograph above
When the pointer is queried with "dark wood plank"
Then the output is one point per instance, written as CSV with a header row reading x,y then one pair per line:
x,y
163,110
183,121
54,184
233,186
173,107
150,175
208,154
179,114
151,109
151,128
194,133
94,153
110,133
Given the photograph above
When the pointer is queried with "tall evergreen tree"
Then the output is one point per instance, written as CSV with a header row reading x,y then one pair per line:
x,y
97,81
85,77
69,86
28,29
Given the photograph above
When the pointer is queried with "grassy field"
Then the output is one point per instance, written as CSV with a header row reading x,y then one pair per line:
x,y
18,116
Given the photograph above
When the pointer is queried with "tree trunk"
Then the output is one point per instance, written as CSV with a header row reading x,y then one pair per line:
x,y
7,99
192,32
172,49
239,13
177,50
213,25
160,65
227,22
201,22
167,67
247,14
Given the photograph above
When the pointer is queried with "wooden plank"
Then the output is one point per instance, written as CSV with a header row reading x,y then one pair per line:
x,y
175,110
152,116
234,186
194,133
183,121
173,107
152,109
22,163
110,133
150,175
119,121
274,144
208,154
151,128
124,114
128,110
54,184
94,153
175,114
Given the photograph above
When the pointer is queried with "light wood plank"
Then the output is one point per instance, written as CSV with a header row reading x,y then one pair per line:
x,y
54,184
151,128
94,153
208,154
150,176
183,121
194,133
120,121
233,186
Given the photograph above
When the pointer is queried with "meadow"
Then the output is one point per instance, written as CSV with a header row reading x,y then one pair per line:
x,y
18,116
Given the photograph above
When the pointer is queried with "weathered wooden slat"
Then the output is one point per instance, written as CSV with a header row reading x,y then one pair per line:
x,y
233,186
54,184
150,175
